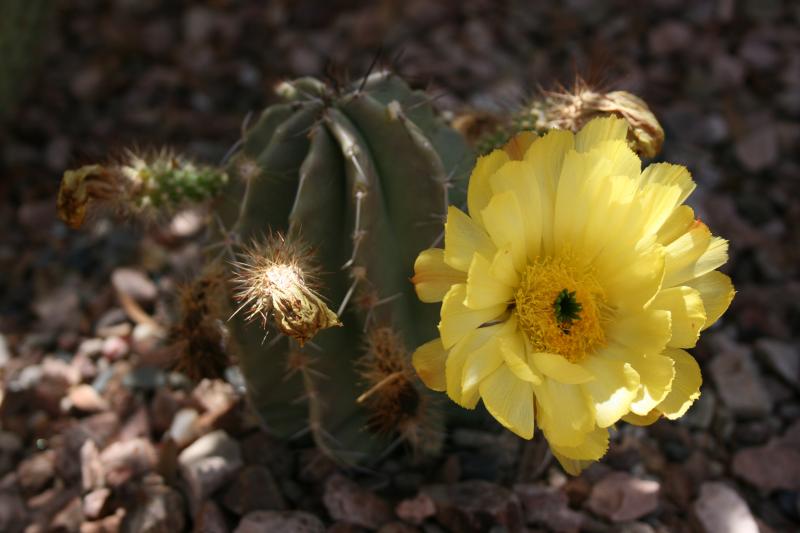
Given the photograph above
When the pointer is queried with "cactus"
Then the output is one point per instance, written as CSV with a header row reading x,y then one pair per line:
x,y
363,177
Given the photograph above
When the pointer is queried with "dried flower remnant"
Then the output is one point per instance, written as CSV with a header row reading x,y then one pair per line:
x,y
275,283
395,404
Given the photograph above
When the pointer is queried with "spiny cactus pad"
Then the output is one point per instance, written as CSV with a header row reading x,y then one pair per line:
x,y
363,176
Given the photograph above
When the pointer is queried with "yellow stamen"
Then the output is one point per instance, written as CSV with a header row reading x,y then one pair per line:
x,y
540,288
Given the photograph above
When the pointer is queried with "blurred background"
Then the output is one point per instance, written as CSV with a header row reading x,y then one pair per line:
x,y
82,400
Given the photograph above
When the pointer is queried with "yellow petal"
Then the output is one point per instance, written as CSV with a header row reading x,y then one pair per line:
x,y
479,191
685,387
642,420
572,205
656,373
502,267
601,129
624,161
518,177
479,364
643,332
546,155
717,292
429,362
687,312
613,390
510,400
634,286
693,254
669,174
433,277
514,353
678,223
592,447
566,414
458,320
558,368
504,223
463,238
476,341
483,289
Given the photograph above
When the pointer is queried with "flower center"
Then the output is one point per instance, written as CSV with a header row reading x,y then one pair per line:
x,y
561,308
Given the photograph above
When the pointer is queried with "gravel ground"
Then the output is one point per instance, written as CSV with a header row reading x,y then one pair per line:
x,y
94,438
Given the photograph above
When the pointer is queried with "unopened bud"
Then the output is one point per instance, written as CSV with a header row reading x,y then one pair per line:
x,y
573,110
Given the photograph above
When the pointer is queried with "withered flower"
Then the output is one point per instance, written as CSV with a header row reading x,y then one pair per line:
x,y
276,283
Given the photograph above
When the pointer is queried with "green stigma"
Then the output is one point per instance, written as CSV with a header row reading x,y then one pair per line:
x,y
567,308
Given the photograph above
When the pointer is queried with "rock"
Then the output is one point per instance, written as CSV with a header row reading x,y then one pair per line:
x,y
782,358
13,514
283,521
347,501
214,394
207,464
738,381
183,429
621,497
36,472
99,428
475,506
69,518
701,414
5,353
210,519
398,527
135,284
163,407
757,150
416,510
719,509
95,503
85,398
773,466
109,524
93,474
125,460
146,338
254,489
160,509
668,37
115,348
547,507
137,426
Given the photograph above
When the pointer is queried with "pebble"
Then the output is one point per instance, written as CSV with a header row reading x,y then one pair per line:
x,y
621,497
345,500
208,464
720,509
669,37
95,503
84,398
547,507
210,519
13,514
124,460
738,380
134,283
416,510
115,348
159,509
283,521
773,466
183,429
476,506
5,353
146,338
254,489
782,358
757,149
36,472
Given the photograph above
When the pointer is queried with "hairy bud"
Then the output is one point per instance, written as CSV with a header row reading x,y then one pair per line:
x,y
572,110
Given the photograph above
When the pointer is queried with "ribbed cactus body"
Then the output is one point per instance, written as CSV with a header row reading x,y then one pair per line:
x,y
364,177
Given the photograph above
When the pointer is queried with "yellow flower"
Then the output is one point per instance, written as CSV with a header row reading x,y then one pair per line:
x,y
571,290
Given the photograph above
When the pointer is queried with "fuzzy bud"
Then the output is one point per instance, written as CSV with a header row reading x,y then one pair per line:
x,y
573,110
274,284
